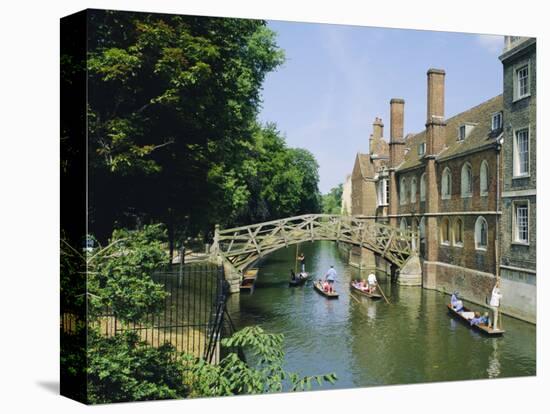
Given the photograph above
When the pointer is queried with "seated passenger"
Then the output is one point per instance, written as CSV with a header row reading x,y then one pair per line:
x,y
459,307
476,320
456,303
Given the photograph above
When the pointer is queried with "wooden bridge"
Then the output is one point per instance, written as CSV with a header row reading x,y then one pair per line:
x,y
241,246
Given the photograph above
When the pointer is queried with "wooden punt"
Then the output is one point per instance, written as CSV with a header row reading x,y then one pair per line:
x,y
249,280
481,327
373,295
300,280
319,288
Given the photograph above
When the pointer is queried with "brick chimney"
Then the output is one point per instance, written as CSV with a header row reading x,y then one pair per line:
x,y
397,142
377,128
435,121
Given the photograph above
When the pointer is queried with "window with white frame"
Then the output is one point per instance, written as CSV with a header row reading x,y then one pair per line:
x,y
484,178
458,232
462,132
521,152
403,191
445,230
423,187
466,180
383,192
413,190
521,222
421,148
522,82
446,184
496,122
481,233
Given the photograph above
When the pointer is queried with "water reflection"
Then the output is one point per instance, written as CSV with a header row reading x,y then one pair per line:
x,y
367,342
493,371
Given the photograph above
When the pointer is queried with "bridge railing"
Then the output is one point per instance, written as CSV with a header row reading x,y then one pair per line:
x,y
242,245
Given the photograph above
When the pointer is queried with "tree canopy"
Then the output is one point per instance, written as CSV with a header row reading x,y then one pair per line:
x,y
172,125
332,201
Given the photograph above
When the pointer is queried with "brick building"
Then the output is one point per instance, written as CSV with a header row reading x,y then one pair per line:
x,y
466,185
519,199
369,197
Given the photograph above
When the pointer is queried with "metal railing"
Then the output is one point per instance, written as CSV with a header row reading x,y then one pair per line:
x,y
190,315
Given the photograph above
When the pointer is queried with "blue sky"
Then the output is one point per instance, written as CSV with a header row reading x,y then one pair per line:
x,y
337,79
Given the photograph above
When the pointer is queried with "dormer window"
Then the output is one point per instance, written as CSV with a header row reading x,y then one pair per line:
x,y
496,122
421,149
462,132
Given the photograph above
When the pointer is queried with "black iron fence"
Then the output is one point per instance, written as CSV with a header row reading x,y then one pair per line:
x,y
194,317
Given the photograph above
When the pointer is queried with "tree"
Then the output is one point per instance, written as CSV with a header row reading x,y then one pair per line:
x,y
172,100
332,201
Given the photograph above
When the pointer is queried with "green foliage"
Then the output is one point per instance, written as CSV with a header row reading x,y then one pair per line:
x,y
120,274
233,376
172,110
122,368
332,202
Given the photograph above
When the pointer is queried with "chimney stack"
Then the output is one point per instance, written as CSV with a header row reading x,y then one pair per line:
x,y
435,122
397,143
377,128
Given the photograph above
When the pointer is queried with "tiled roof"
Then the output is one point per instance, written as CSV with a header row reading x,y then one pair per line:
x,y
479,136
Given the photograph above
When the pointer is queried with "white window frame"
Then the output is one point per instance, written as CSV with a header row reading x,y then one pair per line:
x,y
457,243
421,149
464,193
446,173
496,115
383,192
413,190
462,132
515,228
441,226
516,87
423,187
515,156
477,233
484,193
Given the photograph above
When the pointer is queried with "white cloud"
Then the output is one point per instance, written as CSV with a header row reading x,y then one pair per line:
x,y
492,43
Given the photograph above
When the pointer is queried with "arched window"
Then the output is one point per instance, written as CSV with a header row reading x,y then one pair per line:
x,y
413,190
403,224
446,183
481,233
466,180
484,178
423,187
445,230
403,191
458,232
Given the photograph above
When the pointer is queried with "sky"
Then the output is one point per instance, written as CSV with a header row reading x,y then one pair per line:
x,y
336,79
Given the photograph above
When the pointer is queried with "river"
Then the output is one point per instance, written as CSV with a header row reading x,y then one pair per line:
x,y
366,343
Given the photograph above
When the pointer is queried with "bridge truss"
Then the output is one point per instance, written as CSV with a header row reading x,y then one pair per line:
x,y
241,246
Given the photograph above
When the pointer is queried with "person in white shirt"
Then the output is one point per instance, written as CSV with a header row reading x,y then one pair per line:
x,y
495,303
371,279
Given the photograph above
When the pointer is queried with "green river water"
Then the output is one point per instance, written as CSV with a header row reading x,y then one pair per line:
x,y
367,342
